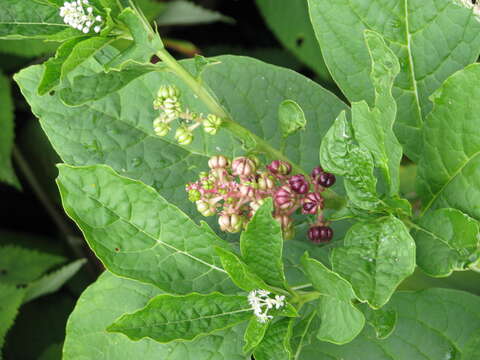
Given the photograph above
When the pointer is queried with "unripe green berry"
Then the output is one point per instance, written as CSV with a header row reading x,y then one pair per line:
x,y
183,135
231,223
205,208
218,162
161,129
194,195
211,124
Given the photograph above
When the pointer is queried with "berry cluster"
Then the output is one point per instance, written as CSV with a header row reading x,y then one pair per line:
x,y
235,190
168,102
79,15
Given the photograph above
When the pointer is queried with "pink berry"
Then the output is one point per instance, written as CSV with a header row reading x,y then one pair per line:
x,y
279,167
299,184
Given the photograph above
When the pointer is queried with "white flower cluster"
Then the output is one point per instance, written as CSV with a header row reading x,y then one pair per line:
x,y
79,15
261,302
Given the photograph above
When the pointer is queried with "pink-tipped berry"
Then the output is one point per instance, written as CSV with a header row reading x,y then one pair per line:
x,y
299,184
311,203
243,166
284,198
279,167
218,162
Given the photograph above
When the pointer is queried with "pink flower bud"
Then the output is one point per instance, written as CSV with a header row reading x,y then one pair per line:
x,y
218,162
299,184
243,166
231,223
284,198
279,167
311,203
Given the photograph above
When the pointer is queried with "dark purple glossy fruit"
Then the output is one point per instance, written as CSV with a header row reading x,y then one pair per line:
x,y
326,180
320,234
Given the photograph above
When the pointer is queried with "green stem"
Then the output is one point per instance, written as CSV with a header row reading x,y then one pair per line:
x,y
235,128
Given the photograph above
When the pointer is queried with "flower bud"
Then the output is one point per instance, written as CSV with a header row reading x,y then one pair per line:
x,y
311,203
211,124
320,234
279,167
218,162
161,128
231,223
205,208
299,184
284,198
194,195
265,182
183,135
243,166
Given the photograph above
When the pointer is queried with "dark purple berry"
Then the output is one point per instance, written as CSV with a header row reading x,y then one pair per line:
x,y
320,234
326,179
317,171
299,184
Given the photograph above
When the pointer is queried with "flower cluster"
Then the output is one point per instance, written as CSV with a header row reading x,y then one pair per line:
x,y
79,15
168,102
261,302
234,190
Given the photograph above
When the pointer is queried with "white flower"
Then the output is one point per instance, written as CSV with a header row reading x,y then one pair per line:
x,y
261,302
80,18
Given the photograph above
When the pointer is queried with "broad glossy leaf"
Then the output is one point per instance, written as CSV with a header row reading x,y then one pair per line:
x,y
276,341
50,283
136,233
382,320
375,257
254,334
27,48
449,170
7,173
22,266
432,324
117,130
302,332
291,118
340,155
168,318
374,126
341,321
262,245
432,39
110,297
182,12
289,21
446,240
239,272
10,300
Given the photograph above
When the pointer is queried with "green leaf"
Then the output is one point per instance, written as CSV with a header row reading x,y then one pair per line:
x,y
262,244
276,342
289,21
30,19
301,333
341,321
134,231
340,155
69,55
254,334
27,48
419,32
50,283
150,8
7,174
376,256
110,297
447,240
21,266
181,12
448,170
145,41
168,318
374,126
240,274
432,324
383,321
291,118
10,301
117,130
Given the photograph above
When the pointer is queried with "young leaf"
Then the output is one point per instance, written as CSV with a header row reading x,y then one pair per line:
x,y
135,232
7,173
341,321
291,118
240,274
383,321
447,240
181,12
254,334
276,342
10,300
168,318
340,155
431,324
448,170
419,32
374,126
376,256
69,55
50,283
21,266
109,298
262,243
